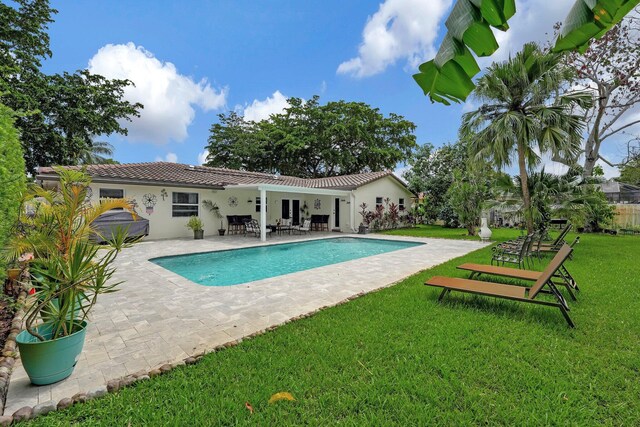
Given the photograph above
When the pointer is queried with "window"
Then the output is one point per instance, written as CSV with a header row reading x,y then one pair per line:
x,y
258,203
378,201
401,203
111,193
184,204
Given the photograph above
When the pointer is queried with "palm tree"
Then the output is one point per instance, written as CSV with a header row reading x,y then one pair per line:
x,y
523,114
99,152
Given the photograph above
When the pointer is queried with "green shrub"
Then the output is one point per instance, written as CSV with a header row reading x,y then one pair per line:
x,y
12,178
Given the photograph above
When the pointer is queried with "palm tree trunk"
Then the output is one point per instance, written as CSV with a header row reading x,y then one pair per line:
x,y
524,185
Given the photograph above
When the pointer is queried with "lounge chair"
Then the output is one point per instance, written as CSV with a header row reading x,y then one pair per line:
x,y
560,273
512,292
556,244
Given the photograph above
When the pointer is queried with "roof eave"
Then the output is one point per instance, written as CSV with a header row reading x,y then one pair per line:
x,y
156,183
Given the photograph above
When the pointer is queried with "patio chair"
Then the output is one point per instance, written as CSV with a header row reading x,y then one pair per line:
x,y
305,227
561,273
253,226
512,292
518,252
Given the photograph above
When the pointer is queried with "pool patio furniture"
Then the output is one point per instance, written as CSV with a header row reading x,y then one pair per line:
x,y
236,223
561,273
320,222
558,223
558,242
305,227
512,292
285,225
516,252
253,226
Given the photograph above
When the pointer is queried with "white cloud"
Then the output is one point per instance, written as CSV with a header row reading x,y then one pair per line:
x,y
533,21
400,29
399,171
261,110
202,157
169,158
168,96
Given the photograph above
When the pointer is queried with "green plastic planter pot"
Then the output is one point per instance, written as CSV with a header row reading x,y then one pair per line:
x,y
47,362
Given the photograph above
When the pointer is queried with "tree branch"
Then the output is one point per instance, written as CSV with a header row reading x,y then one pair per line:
x,y
613,132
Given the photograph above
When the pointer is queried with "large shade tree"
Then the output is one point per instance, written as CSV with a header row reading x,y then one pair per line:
x,y
522,115
610,67
60,113
312,140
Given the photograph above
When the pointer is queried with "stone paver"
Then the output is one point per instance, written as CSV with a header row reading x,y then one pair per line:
x,y
159,317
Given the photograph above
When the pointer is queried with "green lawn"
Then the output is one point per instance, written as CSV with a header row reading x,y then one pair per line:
x,y
398,357
499,234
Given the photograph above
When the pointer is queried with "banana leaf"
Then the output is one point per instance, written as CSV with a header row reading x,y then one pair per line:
x,y
589,19
448,76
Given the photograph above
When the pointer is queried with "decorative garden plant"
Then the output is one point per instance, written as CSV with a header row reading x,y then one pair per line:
x,y
69,270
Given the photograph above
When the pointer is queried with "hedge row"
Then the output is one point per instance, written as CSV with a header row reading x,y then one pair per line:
x,y
12,177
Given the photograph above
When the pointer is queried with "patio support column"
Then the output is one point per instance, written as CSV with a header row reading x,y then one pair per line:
x,y
263,215
352,211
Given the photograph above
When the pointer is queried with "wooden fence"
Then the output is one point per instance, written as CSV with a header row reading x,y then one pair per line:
x,y
627,215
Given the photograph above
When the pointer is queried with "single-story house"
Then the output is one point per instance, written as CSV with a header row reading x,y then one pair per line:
x,y
167,194
620,192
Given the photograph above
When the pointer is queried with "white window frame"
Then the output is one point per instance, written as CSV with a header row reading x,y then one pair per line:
x,y
174,204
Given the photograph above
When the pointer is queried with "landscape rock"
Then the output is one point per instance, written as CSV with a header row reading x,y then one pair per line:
x,y
190,360
5,420
143,378
113,385
140,373
97,392
165,368
44,408
154,372
64,403
126,382
79,398
23,414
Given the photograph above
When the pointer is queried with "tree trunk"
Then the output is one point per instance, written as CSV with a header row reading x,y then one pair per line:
x,y
592,145
524,184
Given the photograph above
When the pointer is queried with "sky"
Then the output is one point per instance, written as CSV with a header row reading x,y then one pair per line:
x,y
192,60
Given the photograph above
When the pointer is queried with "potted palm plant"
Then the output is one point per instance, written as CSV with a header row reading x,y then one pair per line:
x,y
197,226
68,271
215,210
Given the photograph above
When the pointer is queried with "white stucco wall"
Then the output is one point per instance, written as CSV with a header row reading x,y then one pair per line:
x,y
384,187
162,225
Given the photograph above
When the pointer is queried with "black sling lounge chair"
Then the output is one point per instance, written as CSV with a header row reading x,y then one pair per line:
x,y
561,273
511,292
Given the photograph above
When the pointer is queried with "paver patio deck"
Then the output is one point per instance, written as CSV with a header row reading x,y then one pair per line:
x,y
160,317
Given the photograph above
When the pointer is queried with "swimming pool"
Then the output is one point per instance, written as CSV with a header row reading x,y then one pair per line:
x,y
235,266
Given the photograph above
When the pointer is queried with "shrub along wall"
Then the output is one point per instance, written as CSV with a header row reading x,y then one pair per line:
x,y
12,177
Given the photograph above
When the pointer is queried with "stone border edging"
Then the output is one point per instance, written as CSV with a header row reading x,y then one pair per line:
x,y
10,351
112,386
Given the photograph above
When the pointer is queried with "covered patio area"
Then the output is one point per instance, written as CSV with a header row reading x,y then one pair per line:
x,y
299,203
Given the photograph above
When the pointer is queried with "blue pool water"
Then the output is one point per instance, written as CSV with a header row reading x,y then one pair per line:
x,y
231,267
